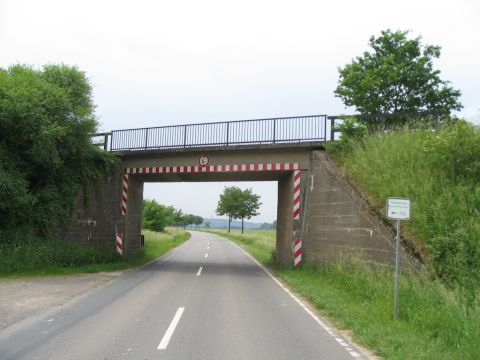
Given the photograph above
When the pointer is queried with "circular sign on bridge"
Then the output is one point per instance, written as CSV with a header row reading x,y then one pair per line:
x,y
203,160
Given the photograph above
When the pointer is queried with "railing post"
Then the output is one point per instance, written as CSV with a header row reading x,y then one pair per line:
x,y
146,138
274,127
105,142
332,128
111,140
184,136
228,129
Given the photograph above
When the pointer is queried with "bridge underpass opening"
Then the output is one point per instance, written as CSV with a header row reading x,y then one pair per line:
x,y
286,175
201,199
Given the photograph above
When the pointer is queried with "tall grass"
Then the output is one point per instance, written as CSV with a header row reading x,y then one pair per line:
x,y
432,324
440,172
39,256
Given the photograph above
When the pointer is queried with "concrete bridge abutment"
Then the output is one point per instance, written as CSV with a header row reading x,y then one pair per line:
x,y
316,205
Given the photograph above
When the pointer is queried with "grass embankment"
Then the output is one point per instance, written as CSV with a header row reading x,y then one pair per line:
x,y
47,257
440,172
432,324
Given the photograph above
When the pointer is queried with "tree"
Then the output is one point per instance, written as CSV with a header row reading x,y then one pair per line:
x,y
198,220
238,204
248,206
178,219
396,77
156,216
46,154
229,203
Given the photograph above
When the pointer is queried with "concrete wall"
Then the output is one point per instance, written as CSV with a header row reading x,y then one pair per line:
x,y
338,222
94,219
335,221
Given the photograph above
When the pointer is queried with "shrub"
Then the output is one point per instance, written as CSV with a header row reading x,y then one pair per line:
x,y
46,154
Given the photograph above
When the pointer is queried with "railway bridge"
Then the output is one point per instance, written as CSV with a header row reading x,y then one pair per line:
x,y
319,217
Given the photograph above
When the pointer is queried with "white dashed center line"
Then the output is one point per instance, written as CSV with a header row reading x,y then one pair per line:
x,y
199,271
206,255
168,334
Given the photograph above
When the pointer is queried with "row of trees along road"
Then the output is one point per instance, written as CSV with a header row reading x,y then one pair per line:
x,y
238,204
157,216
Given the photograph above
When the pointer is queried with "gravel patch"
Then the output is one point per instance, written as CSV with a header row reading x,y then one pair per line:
x,y
20,299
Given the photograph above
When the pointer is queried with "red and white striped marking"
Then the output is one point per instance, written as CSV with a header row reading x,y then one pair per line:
x,y
298,252
124,194
296,194
295,167
119,243
214,168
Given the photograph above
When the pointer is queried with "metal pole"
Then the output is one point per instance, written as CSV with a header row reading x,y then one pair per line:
x,y
397,265
274,129
146,138
228,129
185,136
332,128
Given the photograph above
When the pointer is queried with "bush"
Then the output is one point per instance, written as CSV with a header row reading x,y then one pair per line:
x,y
46,154
32,254
351,131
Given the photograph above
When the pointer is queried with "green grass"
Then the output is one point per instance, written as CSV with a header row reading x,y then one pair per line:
x,y
432,324
38,257
440,172
260,243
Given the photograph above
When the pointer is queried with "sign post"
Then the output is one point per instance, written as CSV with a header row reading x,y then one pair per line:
x,y
397,209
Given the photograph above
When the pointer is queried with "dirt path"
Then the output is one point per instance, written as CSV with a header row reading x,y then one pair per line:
x,y
20,299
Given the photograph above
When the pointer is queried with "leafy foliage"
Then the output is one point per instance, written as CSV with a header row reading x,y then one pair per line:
x,y
396,77
350,131
229,203
238,204
46,155
157,216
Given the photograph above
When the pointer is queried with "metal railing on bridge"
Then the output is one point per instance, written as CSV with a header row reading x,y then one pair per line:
x,y
244,132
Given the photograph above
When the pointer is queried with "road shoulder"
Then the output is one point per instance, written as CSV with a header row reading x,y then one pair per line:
x,y
23,298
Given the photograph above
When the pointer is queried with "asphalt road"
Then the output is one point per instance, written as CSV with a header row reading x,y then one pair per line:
x,y
206,299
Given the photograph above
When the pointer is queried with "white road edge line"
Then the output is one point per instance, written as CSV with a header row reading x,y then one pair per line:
x,y
199,271
206,255
168,334
327,328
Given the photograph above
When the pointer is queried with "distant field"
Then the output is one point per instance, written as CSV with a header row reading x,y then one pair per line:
x,y
260,243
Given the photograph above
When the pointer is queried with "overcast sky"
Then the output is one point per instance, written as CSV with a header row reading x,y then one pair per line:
x,y
155,63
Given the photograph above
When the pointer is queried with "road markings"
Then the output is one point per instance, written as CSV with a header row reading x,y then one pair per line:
x,y
199,271
206,255
350,349
168,334
208,247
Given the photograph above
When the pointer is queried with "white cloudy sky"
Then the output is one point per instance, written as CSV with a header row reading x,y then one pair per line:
x,y
155,63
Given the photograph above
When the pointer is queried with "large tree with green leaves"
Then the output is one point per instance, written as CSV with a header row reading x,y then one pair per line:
x,y
396,76
46,153
238,204
249,205
229,203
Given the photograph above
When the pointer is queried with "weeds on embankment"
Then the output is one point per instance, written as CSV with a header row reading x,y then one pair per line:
x,y
440,172
432,323
39,256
